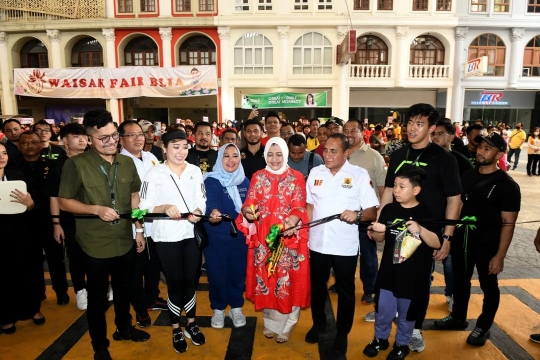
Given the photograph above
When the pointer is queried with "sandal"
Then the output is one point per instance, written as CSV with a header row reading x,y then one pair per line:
x,y
268,333
283,338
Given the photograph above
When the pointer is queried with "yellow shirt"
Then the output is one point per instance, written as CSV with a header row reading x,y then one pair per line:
x,y
397,133
516,139
312,143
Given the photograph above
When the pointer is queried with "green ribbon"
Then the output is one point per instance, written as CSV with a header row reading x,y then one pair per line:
x,y
272,236
468,219
139,215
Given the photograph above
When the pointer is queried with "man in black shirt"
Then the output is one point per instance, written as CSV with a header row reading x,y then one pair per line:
x,y
493,198
49,152
201,155
443,136
469,150
442,188
149,131
12,129
253,153
35,170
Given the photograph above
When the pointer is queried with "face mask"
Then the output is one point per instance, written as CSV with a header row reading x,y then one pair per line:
x,y
518,127
389,136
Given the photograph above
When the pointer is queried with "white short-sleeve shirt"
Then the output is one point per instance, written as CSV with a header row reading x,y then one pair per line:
x,y
348,189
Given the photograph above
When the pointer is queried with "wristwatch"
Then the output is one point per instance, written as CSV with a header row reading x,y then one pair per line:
x,y
447,237
359,216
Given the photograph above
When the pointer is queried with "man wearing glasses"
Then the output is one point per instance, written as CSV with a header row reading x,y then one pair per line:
x,y
103,183
145,285
49,151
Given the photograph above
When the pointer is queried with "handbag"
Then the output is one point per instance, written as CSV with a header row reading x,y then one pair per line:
x,y
199,231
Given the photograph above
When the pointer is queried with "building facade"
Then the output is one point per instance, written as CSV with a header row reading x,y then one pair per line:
x,y
408,51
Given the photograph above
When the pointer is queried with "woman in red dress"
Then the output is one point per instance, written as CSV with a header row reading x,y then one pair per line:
x,y
277,195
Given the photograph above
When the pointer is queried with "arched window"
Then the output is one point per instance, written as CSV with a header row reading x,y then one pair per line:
x,y
198,50
371,50
531,57
427,50
312,54
142,51
253,54
87,52
34,55
493,47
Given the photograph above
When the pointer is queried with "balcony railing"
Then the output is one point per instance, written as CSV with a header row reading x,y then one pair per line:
x,y
369,71
429,71
46,10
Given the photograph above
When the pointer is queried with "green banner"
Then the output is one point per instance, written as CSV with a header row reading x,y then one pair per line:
x,y
284,100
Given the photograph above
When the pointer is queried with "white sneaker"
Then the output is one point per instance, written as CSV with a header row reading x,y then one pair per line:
x,y
370,317
238,318
82,299
417,341
450,302
218,319
110,294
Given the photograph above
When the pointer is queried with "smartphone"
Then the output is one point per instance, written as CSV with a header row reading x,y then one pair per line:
x,y
255,107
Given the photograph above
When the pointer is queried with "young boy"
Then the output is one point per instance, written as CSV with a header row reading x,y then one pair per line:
x,y
400,285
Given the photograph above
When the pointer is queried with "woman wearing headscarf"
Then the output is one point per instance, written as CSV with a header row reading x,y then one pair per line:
x,y
277,196
226,253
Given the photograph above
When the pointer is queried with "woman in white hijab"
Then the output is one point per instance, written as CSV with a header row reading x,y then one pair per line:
x,y
276,196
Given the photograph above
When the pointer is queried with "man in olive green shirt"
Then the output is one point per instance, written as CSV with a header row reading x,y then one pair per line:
x,y
102,183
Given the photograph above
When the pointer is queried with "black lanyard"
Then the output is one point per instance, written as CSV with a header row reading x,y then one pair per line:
x,y
111,184
415,162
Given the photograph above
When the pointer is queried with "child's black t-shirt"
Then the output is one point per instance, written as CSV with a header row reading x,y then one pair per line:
x,y
410,279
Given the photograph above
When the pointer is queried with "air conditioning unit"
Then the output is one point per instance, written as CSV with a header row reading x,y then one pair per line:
x,y
526,72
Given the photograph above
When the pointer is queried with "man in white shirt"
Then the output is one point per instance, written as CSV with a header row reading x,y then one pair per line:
x,y
364,156
144,293
336,188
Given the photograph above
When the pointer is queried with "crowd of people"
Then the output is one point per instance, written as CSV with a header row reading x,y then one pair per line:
x,y
254,193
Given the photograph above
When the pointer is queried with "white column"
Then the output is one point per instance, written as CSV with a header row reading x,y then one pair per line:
x,y
283,34
113,105
55,55
227,97
402,63
166,37
516,57
7,99
165,9
460,52
109,9
341,96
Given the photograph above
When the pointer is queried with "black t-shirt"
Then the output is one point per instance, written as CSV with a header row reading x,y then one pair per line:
x,y
51,153
464,164
410,279
52,186
13,152
158,153
36,173
486,203
457,143
471,155
252,162
442,175
205,160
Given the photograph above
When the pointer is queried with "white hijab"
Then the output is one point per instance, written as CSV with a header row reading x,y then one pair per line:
x,y
284,149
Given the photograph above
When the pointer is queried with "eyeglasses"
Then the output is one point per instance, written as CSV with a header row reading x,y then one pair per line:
x,y
438,134
105,139
134,136
42,131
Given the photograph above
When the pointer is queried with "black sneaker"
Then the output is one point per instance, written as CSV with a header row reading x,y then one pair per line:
x,y
340,345
372,349
179,341
312,336
478,337
194,333
534,338
62,299
143,319
368,298
102,354
159,304
399,352
131,333
449,323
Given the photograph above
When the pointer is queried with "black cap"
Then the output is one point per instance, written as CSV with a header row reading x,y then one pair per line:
x,y
336,121
493,139
173,135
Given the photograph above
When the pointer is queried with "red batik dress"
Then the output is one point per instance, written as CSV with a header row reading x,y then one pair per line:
x,y
277,197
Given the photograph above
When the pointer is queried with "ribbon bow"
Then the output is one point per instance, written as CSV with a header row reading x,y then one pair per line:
x,y
468,222
138,213
275,245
